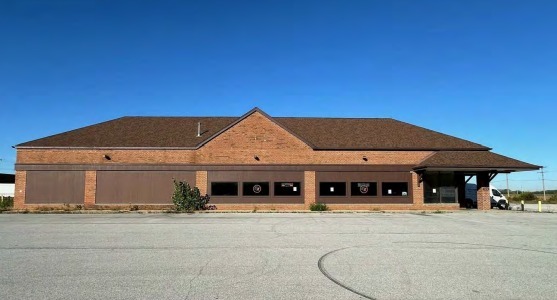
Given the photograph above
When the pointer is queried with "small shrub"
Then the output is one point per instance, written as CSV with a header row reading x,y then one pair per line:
x,y
6,203
189,199
134,208
318,207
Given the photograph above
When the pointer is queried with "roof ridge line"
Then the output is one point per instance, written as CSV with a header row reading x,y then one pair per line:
x,y
180,117
339,118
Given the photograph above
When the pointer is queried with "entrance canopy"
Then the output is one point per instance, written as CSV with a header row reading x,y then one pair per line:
x,y
473,161
446,170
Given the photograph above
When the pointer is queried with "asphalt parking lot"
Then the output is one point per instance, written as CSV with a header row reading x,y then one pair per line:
x,y
472,255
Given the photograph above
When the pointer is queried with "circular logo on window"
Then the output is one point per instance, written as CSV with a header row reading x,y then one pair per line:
x,y
364,189
257,189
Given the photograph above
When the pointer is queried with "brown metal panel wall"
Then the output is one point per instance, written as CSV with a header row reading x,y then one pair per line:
x,y
255,176
60,187
378,177
139,187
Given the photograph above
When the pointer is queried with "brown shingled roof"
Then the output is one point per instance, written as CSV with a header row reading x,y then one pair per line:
x,y
137,132
473,159
319,133
376,134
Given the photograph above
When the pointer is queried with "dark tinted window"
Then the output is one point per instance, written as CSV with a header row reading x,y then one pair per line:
x,y
332,188
363,189
256,188
439,187
224,189
287,189
495,192
395,188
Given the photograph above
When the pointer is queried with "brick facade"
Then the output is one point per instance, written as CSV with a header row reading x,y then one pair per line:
x,y
484,200
483,195
256,140
20,184
201,181
309,189
90,189
219,157
417,190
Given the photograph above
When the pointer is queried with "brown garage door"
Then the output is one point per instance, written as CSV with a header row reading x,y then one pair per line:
x,y
139,187
256,186
62,187
364,187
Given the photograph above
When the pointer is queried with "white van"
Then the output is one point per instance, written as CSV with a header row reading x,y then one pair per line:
x,y
497,198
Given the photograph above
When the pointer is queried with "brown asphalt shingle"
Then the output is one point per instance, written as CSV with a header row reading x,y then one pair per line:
x,y
473,159
371,134
149,132
319,133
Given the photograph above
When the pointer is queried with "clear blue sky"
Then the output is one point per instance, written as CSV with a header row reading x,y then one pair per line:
x,y
485,71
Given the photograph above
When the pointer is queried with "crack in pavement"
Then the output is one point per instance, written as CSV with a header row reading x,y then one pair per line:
x,y
197,276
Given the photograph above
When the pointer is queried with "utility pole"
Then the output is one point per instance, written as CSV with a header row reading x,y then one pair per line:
x,y
508,191
543,185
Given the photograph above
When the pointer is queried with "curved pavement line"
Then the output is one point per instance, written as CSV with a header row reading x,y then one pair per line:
x,y
321,261
328,275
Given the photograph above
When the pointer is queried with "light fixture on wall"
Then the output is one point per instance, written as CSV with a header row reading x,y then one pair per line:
x,y
256,157
106,157
364,158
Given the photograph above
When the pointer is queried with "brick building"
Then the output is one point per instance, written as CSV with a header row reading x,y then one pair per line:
x,y
256,162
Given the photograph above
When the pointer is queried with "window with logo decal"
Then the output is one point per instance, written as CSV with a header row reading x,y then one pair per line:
x,y
287,188
363,189
255,188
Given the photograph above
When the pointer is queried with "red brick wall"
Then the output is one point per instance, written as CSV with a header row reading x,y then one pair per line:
x,y
79,156
484,200
20,185
90,188
417,191
309,188
201,181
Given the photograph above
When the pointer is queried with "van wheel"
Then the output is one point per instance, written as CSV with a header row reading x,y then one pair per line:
x,y
469,204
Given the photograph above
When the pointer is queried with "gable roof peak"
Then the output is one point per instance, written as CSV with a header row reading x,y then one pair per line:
x,y
246,115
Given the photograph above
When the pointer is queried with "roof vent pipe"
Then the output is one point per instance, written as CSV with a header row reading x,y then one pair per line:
x,y
198,129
